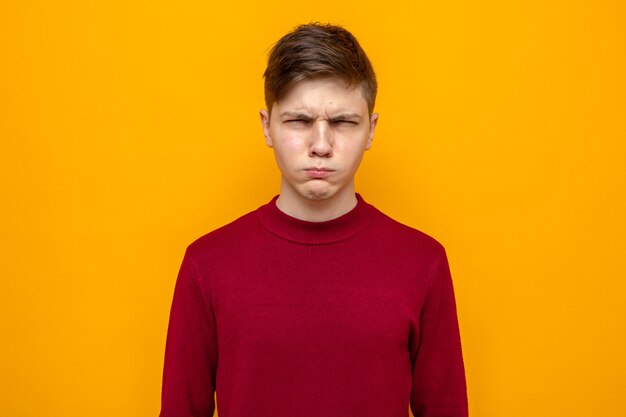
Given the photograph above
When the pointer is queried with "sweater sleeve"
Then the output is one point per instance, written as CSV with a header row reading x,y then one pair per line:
x,y
191,350
439,388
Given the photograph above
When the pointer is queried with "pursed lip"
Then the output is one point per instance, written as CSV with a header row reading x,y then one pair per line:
x,y
315,172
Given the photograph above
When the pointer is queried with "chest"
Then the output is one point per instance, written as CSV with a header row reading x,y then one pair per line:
x,y
315,299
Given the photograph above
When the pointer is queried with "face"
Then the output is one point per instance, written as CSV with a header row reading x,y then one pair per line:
x,y
319,132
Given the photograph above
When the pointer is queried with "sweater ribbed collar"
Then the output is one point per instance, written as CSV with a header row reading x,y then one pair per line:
x,y
315,233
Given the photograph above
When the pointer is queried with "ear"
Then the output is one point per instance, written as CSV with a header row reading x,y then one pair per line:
x,y
373,123
265,123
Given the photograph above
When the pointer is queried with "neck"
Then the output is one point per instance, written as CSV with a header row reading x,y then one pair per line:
x,y
295,205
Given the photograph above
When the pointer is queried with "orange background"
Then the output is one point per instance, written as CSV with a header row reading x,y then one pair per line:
x,y
131,128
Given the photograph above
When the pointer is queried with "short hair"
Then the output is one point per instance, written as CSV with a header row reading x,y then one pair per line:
x,y
317,51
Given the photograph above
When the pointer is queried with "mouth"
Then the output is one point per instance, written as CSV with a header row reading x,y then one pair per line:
x,y
318,172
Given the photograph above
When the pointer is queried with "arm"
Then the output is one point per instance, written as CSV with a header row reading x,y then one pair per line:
x,y
190,352
439,388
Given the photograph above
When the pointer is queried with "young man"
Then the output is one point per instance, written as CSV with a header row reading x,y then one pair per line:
x,y
316,304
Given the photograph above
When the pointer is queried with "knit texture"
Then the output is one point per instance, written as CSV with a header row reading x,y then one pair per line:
x,y
352,317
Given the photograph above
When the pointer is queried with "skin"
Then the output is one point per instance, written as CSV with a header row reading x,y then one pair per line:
x,y
319,124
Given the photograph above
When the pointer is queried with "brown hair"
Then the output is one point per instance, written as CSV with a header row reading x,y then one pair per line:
x,y
314,51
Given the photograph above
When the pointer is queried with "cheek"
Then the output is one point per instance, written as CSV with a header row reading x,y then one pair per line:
x,y
351,147
289,149
352,160
288,143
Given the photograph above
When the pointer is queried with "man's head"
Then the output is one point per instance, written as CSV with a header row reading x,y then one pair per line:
x,y
314,51
320,90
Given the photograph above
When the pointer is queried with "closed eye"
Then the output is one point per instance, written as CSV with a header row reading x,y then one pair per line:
x,y
296,121
345,122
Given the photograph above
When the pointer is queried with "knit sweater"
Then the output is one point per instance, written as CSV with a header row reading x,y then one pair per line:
x,y
281,317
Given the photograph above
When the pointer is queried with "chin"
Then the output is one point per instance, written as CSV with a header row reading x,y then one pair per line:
x,y
317,194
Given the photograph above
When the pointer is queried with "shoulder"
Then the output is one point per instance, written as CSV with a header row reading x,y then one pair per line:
x,y
223,238
405,237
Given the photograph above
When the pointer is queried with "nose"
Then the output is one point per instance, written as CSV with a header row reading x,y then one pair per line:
x,y
321,140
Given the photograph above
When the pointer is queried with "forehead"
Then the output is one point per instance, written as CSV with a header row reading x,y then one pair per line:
x,y
323,94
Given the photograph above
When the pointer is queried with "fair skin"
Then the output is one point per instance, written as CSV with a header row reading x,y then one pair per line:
x,y
319,132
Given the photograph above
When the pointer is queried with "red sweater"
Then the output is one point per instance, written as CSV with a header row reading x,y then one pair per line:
x,y
352,317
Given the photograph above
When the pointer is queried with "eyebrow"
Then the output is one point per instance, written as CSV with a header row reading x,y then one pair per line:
x,y
346,116
295,114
